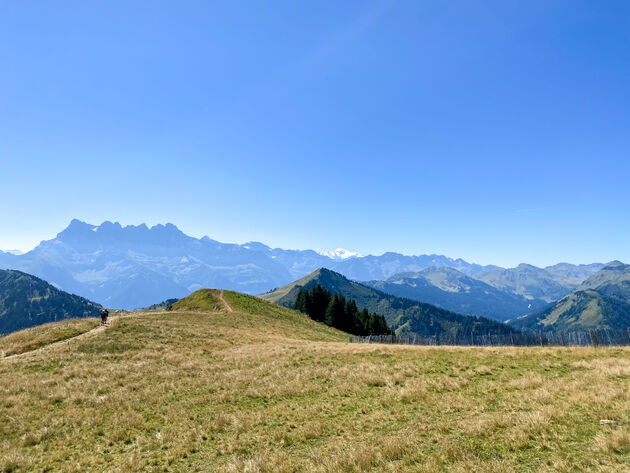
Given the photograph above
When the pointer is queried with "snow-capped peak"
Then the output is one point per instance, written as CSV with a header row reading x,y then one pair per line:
x,y
341,253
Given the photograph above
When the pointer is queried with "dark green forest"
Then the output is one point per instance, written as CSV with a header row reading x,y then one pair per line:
x,y
26,301
338,312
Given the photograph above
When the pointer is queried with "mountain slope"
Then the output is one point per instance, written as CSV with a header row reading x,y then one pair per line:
x,y
613,280
402,315
580,310
526,280
601,302
453,290
26,301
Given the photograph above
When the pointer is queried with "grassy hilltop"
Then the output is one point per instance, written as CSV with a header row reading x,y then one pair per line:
x,y
225,382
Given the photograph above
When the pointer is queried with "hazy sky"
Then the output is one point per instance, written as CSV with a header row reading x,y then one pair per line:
x,y
497,131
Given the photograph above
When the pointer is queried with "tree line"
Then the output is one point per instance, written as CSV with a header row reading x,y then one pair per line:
x,y
338,312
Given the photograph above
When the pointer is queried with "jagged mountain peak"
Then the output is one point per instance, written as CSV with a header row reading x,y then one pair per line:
x,y
83,232
76,228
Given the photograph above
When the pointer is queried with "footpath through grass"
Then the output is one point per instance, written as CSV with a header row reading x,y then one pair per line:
x,y
266,390
37,337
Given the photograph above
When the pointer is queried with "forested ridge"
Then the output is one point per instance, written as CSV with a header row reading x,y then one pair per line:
x,y
338,312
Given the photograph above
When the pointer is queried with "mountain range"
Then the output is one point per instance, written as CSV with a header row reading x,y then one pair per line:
x,y
602,301
455,291
500,294
137,266
544,284
26,301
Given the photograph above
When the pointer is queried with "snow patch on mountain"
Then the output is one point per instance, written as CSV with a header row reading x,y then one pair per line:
x,y
340,254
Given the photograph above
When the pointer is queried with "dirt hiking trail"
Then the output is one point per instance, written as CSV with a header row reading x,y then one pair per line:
x,y
52,346
228,307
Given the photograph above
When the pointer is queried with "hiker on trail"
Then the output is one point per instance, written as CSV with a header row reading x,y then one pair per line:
x,y
104,315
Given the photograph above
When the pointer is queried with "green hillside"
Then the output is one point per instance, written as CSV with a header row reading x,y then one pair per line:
x,y
26,301
203,299
452,290
402,315
252,311
580,310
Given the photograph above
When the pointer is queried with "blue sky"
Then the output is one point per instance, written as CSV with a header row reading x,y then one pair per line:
x,y
496,131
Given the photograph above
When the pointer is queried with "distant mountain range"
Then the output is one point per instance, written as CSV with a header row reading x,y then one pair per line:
x,y
546,284
137,266
455,291
405,316
500,294
572,275
26,301
602,301
12,252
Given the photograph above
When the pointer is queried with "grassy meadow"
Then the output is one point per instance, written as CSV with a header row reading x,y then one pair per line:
x,y
240,385
37,337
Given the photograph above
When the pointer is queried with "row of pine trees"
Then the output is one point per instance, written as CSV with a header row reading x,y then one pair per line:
x,y
337,311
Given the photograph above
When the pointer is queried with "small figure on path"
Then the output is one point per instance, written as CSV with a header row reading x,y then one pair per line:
x,y
104,315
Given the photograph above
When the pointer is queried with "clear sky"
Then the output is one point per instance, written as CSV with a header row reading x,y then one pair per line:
x,y
497,131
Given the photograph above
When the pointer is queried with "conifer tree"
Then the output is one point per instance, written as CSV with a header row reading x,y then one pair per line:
x,y
364,322
335,311
350,319
378,325
300,301
319,298
338,312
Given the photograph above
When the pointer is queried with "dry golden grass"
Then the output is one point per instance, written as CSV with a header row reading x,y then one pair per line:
x,y
37,337
261,390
